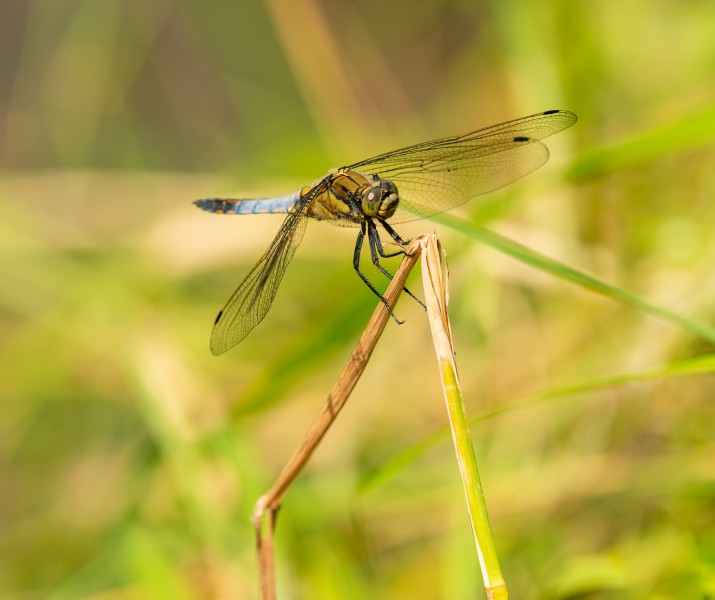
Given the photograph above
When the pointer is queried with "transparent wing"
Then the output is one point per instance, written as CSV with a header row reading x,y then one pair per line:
x,y
432,177
253,298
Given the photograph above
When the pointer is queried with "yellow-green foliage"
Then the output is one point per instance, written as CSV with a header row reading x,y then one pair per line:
x,y
131,458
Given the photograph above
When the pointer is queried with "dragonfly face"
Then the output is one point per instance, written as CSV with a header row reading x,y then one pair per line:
x,y
380,201
403,185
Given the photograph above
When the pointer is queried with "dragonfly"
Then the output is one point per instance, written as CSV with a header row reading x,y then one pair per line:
x,y
414,182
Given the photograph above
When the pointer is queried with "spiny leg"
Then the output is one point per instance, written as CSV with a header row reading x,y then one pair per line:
x,y
375,239
393,234
356,266
376,248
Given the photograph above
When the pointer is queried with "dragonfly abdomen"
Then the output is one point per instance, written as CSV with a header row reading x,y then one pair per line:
x,y
248,206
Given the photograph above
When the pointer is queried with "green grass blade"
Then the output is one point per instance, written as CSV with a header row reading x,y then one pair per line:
x,y
567,273
693,130
698,365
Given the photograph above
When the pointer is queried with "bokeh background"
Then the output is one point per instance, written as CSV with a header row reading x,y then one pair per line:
x,y
130,458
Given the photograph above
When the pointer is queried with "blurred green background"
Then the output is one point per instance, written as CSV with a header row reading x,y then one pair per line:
x,y
130,458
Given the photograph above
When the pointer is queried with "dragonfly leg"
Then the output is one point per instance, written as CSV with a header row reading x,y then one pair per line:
x,y
393,234
376,248
356,265
376,243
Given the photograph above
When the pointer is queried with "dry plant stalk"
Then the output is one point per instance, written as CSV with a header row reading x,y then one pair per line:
x,y
268,504
436,298
435,281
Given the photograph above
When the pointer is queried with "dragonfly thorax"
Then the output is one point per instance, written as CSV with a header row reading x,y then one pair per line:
x,y
380,200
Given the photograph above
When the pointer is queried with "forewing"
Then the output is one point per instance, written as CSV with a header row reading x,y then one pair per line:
x,y
432,177
253,298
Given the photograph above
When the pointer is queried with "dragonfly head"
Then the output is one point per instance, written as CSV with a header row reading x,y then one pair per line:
x,y
380,199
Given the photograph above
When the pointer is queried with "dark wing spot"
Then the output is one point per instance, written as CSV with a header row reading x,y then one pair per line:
x,y
218,317
521,138
551,112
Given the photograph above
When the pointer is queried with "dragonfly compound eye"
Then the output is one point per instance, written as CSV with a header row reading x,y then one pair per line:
x,y
380,200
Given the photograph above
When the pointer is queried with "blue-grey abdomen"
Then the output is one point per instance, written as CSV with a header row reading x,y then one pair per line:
x,y
249,206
